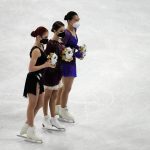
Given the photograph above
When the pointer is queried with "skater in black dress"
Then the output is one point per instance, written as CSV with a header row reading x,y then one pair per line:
x,y
34,88
52,76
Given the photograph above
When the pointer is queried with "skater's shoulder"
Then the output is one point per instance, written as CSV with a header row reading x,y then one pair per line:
x,y
35,51
67,32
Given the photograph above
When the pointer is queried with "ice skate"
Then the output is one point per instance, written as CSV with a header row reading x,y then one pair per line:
x,y
47,124
23,132
32,137
55,123
65,116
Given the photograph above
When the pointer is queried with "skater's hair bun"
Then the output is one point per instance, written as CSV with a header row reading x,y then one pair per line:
x,y
39,31
57,25
33,34
70,15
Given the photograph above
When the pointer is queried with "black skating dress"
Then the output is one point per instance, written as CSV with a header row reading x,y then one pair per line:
x,y
35,77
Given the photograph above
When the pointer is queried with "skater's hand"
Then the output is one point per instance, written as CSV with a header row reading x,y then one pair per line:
x,y
83,50
48,64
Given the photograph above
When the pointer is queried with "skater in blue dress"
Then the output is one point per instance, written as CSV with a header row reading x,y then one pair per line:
x,y
69,71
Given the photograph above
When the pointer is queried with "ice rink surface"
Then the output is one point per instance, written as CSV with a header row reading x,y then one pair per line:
x,y
110,99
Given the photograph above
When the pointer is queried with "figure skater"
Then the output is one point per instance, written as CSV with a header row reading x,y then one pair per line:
x,y
34,88
52,76
69,66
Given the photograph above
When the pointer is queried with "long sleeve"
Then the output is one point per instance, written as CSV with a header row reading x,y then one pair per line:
x,y
70,41
78,54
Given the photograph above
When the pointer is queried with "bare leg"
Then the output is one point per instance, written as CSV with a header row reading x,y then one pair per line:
x,y
39,103
47,97
58,101
33,100
67,81
52,102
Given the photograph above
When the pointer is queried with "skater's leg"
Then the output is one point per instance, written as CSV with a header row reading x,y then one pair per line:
x,y
52,124
33,99
31,133
30,110
58,100
47,97
39,103
52,102
63,113
67,81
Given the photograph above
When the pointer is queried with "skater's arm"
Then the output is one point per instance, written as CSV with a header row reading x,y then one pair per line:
x,y
78,54
34,56
67,42
81,52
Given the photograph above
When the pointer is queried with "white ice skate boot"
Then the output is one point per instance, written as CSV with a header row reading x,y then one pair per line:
x,y
24,129
66,116
32,137
54,121
57,109
47,124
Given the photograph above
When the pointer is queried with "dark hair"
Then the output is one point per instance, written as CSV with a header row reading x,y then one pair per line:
x,y
39,31
56,26
70,15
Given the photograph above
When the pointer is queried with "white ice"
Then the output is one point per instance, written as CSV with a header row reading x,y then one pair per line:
x,y
110,98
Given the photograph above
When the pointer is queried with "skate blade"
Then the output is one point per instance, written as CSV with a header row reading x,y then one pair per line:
x,y
22,136
29,140
59,129
65,120
50,129
33,141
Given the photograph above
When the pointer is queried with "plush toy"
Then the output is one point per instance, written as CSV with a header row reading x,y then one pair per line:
x,y
53,57
82,49
67,54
